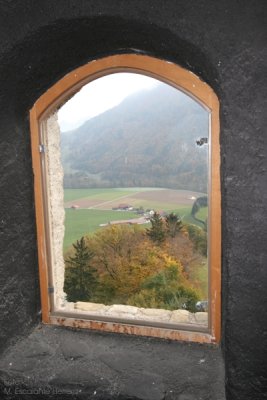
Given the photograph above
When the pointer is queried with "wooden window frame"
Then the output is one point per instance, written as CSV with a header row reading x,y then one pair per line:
x,y
190,84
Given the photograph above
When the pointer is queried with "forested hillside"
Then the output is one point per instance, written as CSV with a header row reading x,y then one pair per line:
x,y
148,140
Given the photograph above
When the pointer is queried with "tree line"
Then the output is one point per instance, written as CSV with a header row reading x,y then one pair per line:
x,y
127,264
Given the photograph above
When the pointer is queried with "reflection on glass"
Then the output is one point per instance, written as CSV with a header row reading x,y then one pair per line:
x,y
136,203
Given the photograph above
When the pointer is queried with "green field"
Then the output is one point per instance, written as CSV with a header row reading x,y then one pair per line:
x,y
101,194
80,222
200,274
202,213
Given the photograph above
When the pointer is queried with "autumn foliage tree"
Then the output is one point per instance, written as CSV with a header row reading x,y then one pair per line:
x,y
124,257
168,289
127,264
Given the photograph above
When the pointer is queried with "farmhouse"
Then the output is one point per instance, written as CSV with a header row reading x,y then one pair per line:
x,y
125,207
162,213
74,206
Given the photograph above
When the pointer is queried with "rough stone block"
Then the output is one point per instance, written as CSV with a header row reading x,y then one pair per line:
x,y
180,316
154,314
84,306
122,309
201,318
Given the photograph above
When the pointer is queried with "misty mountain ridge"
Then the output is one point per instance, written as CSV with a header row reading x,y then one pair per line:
x,y
149,139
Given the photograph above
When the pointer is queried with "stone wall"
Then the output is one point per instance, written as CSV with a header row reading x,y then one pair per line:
x,y
142,314
54,175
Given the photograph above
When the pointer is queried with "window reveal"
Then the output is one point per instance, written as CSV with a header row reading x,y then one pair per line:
x,y
127,313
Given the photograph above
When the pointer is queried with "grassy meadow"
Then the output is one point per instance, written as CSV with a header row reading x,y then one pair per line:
x,y
202,213
101,194
82,221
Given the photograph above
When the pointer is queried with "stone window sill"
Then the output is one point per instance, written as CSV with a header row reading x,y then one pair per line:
x,y
59,362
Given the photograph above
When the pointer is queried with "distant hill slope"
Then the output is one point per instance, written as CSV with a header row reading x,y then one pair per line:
x,y
149,139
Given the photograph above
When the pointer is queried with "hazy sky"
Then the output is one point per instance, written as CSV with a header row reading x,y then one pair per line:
x,y
101,95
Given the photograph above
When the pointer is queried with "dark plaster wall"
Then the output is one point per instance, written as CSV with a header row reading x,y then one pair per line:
x,y
224,43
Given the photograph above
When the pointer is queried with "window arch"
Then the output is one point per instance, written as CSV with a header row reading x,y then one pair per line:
x,y
186,82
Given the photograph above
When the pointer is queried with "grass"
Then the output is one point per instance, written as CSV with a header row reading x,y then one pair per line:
x,y
202,213
82,222
101,194
199,275
185,213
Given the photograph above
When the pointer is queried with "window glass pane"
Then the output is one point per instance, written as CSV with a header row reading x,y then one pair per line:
x,y
134,153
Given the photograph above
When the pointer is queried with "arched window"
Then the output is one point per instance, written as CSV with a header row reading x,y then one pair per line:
x,y
127,193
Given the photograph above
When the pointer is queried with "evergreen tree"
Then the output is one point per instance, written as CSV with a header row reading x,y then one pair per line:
x,y
199,238
80,277
173,224
157,232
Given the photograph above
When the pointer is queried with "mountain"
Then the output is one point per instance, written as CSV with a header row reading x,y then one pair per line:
x,y
149,139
